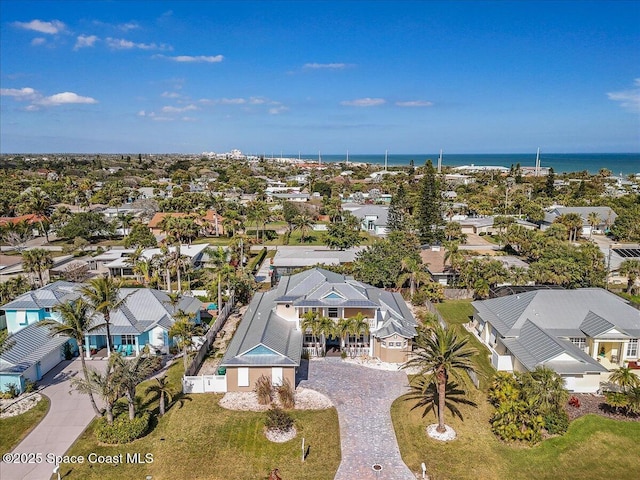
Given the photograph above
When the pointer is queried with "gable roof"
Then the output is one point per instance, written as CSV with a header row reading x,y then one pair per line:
x,y
260,326
45,297
535,347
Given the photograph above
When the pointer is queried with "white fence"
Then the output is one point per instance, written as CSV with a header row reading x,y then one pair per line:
x,y
204,383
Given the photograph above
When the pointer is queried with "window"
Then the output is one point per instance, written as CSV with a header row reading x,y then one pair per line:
x,y
243,377
128,339
308,338
384,344
47,309
398,344
333,312
632,348
579,342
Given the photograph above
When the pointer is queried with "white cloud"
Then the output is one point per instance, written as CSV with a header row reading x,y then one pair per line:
x,y
233,101
65,98
38,100
53,27
171,109
38,41
415,103
142,113
189,119
19,93
257,100
278,110
193,59
83,41
122,44
364,102
170,95
128,26
326,66
629,99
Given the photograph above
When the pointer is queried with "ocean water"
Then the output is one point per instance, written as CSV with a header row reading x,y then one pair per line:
x,y
618,163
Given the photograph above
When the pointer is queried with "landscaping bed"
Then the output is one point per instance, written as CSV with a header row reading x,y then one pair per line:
x,y
595,404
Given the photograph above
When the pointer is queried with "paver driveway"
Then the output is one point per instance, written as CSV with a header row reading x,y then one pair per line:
x,y
363,398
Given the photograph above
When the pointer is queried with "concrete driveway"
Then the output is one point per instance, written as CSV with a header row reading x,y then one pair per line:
x,y
68,416
363,398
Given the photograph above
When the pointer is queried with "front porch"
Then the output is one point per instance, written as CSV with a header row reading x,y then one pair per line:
x,y
127,345
613,354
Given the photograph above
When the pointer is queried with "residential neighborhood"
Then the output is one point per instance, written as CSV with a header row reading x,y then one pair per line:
x,y
237,299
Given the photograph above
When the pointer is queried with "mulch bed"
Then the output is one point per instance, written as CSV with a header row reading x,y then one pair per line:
x,y
591,403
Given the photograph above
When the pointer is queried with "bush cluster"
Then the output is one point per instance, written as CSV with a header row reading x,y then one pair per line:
x,y
122,430
286,394
263,390
278,419
11,391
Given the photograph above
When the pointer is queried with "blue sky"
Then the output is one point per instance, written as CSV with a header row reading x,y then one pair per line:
x,y
265,77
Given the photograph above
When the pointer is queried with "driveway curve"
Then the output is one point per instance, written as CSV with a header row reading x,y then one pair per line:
x,y
363,398
69,414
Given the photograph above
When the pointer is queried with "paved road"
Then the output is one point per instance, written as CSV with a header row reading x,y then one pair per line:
x,y
68,416
363,398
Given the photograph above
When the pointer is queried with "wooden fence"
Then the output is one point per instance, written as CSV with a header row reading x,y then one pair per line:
x,y
210,336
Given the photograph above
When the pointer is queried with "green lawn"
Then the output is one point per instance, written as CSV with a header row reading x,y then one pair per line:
x,y
457,312
594,447
198,439
14,429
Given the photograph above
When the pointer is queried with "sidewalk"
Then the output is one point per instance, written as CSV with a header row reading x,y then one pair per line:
x,y
68,416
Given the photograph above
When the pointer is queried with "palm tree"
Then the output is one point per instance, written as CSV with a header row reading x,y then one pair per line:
x,y
39,204
162,388
311,322
455,258
304,223
573,222
37,261
183,330
128,374
76,322
327,329
546,388
630,268
104,385
593,219
427,396
360,325
344,328
624,378
413,273
103,295
440,353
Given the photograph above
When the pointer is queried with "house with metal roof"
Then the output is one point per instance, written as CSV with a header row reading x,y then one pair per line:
x,y
270,339
144,319
606,217
581,334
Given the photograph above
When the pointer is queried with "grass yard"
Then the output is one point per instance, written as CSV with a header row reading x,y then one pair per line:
x,y
14,429
594,447
457,312
198,439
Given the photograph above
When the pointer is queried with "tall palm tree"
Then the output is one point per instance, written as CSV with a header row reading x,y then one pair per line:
x,y
76,322
304,223
573,222
103,384
39,204
440,353
414,273
360,325
183,330
103,295
593,219
162,388
128,374
546,388
327,329
37,261
311,322
344,328
624,378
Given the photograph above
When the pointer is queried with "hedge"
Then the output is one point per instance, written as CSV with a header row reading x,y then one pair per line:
x,y
122,430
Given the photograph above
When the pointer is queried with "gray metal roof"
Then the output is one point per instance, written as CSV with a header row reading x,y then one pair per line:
x,y
535,347
45,297
594,325
31,344
261,326
560,312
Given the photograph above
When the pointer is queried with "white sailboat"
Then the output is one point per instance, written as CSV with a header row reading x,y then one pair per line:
x,y
537,169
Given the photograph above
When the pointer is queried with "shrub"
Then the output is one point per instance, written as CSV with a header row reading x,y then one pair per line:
x,y
343,354
122,430
574,401
286,394
30,386
66,351
419,298
12,391
305,356
278,419
263,390
556,422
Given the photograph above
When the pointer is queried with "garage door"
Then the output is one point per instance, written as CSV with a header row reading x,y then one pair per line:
x,y
50,360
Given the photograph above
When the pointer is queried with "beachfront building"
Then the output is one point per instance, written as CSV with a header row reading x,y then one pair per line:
x,y
273,334
581,334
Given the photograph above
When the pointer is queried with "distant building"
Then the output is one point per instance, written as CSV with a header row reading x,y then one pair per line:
x,y
606,217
